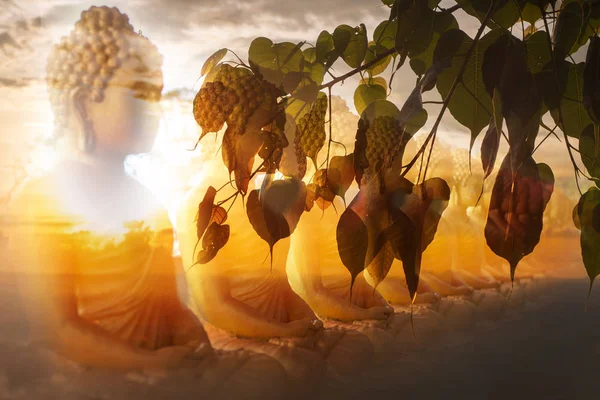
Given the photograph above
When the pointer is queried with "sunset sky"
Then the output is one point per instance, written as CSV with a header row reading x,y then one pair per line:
x,y
186,33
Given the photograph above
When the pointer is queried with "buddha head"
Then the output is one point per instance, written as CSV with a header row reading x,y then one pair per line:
x,y
105,82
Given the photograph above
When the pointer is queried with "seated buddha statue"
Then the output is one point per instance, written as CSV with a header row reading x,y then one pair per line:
x,y
245,300
94,246
439,258
468,232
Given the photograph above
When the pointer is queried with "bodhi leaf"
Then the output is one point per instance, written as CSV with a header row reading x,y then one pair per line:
x,y
591,83
471,103
506,14
385,34
373,51
375,80
491,140
274,61
379,267
212,61
415,213
365,94
218,215
352,240
215,238
590,152
538,53
547,177
351,44
568,95
587,218
340,174
421,57
205,211
324,46
489,149
275,216
246,148
569,26
516,209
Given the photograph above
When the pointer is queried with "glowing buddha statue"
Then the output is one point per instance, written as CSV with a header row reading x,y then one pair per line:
x,y
94,244
468,231
440,256
244,297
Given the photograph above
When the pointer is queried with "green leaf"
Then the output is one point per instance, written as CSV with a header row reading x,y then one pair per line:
x,y
385,34
588,213
569,26
213,60
273,61
351,44
324,46
376,80
421,58
575,116
531,13
471,104
591,81
365,94
310,54
538,52
590,152
261,56
507,12
373,52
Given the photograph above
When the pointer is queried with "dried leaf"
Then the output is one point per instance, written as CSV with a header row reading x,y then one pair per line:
x,y
215,238
489,149
340,174
276,216
516,209
219,215
205,211
228,149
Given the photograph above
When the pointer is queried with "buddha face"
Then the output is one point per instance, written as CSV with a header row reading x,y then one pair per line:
x,y
126,120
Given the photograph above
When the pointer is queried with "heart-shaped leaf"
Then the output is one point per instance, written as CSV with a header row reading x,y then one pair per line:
x,y
212,61
214,239
352,241
587,219
516,209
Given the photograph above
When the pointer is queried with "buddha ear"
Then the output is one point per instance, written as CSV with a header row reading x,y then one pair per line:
x,y
79,122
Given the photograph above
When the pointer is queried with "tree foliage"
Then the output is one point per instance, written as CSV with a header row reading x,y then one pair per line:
x,y
502,81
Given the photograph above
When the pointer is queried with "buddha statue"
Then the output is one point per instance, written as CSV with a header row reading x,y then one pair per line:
x,y
468,232
245,300
94,246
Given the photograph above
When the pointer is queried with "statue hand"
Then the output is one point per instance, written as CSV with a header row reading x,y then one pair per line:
x,y
302,327
379,313
171,356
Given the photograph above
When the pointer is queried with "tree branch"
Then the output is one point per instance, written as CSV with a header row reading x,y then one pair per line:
x,y
357,70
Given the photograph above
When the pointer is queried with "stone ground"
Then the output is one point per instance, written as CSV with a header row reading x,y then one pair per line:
x,y
547,349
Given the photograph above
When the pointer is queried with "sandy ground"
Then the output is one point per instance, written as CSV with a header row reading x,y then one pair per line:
x,y
549,349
